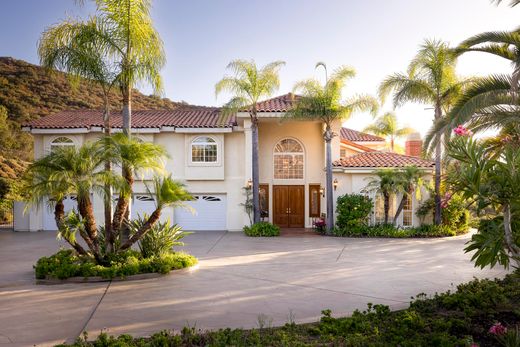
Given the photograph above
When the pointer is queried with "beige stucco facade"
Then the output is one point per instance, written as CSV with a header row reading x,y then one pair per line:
x,y
230,173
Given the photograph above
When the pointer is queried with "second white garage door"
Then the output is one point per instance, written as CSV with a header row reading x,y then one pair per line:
x,y
209,213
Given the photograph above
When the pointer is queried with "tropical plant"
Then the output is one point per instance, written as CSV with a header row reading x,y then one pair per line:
x,y
161,238
384,182
430,79
324,102
490,181
248,85
386,125
493,101
76,171
74,47
409,182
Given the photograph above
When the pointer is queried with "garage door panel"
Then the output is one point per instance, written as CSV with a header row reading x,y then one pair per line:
x,y
206,212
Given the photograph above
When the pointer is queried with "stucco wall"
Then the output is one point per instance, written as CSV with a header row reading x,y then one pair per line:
x,y
309,134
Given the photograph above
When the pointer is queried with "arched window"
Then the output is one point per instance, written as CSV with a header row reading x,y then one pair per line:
x,y
288,160
203,150
61,141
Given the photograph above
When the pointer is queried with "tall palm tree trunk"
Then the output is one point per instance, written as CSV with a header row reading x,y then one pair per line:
x,y
328,178
401,205
87,212
255,169
127,171
109,238
438,172
386,206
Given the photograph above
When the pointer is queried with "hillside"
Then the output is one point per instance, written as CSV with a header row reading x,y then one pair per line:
x,y
29,91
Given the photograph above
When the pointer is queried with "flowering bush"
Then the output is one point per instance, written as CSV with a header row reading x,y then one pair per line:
x,y
462,131
319,224
498,329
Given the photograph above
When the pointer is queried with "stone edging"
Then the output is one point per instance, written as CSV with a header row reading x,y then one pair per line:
x,y
97,279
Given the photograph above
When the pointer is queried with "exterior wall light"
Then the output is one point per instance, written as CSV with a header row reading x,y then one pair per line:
x,y
335,183
322,191
249,183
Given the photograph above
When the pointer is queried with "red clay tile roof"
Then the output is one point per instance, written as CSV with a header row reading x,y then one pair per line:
x,y
357,145
181,117
357,136
380,160
281,103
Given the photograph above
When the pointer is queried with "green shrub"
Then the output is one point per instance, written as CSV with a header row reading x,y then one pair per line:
x,y
66,263
353,211
454,214
263,229
160,239
389,230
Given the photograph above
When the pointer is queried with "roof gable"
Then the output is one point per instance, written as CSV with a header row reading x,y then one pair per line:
x,y
357,136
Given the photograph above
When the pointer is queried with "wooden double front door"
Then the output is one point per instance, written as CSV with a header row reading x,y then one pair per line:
x,y
289,206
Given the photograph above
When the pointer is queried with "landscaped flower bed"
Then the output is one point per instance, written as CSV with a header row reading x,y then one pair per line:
x,y
66,264
479,313
388,230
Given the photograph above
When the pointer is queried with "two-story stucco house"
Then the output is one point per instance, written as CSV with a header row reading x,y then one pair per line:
x,y
211,153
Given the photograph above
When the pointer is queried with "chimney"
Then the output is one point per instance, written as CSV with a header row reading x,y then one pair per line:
x,y
413,145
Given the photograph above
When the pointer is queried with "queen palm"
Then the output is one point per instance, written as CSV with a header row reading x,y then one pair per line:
x,y
385,183
73,46
408,181
430,79
248,85
387,126
324,102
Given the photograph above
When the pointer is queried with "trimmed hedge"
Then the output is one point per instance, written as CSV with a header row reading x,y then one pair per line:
x,y
66,263
461,318
388,230
262,229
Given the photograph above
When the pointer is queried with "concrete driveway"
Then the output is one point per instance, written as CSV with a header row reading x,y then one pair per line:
x,y
239,279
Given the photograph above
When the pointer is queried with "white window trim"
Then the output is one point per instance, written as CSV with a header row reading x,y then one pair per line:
x,y
401,217
204,163
304,153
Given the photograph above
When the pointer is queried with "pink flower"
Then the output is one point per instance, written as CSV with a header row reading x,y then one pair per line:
x,y
461,131
498,329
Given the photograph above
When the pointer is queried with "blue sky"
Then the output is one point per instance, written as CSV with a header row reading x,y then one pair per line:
x,y
376,37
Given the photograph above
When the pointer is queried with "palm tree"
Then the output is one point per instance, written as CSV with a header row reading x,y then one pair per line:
x,y
512,3
248,85
324,103
430,79
384,183
493,101
408,181
387,126
133,157
71,170
168,192
73,47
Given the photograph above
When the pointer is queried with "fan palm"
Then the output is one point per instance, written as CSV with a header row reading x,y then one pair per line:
x,y
387,126
324,103
430,79
408,181
248,85
385,182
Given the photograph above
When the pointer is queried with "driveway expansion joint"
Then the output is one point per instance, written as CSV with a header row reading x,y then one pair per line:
x,y
216,242
84,327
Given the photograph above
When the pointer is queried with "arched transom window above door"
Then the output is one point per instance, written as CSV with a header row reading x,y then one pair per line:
x,y
61,141
288,159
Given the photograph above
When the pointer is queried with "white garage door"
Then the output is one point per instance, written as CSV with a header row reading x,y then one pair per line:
x,y
209,213
142,204
49,223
